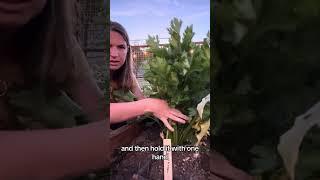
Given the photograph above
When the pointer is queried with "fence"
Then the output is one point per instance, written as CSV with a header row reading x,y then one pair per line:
x,y
90,29
140,54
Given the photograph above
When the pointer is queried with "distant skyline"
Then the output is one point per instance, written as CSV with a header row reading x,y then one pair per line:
x,y
152,17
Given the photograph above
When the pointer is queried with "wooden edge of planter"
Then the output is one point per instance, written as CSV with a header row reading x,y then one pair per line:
x,y
222,168
124,135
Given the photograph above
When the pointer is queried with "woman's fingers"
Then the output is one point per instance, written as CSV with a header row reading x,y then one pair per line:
x,y
175,118
179,114
166,123
164,113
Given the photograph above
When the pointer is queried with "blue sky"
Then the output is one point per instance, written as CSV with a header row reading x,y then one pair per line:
x,y
152,17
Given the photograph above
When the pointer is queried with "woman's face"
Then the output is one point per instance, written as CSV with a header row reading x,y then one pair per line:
x,y
16,13
118,50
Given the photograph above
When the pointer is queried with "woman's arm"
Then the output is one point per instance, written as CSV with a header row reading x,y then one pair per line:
x,y
52,154
123,111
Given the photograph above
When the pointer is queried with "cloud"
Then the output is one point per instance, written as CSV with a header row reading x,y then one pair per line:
x,y
133,12
147,10
168,2
197,15
176,3
158,8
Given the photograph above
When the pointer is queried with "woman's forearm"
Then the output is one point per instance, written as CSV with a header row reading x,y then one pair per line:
x,y
50,154
123,111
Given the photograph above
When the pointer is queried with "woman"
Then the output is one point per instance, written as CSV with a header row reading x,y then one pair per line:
x,y
38,51
121,63
122,77
41,66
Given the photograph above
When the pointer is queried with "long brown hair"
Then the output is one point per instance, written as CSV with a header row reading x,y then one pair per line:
x,y
47,44
124,75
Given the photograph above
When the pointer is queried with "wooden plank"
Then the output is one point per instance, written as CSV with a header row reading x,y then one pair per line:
x,y
221,167
167,163
124,135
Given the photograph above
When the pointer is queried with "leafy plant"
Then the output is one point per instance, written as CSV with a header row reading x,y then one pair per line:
x,y
37,108
267,74
179,74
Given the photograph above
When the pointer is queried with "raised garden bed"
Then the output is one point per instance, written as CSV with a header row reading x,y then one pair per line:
x,y
139,165
124,135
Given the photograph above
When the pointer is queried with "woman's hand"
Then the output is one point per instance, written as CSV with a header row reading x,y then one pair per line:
x,y
161,110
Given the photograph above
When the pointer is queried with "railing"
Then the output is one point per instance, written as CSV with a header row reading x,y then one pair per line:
x,y
140,53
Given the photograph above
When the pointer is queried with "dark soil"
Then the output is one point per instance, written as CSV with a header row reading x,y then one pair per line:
x,y
139,165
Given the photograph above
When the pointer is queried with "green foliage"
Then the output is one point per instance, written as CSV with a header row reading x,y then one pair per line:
x,y
179,74
101,75
266,73
123,96
37,108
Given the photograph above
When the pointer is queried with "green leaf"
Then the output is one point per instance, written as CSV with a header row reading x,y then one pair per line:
x,y
123,96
